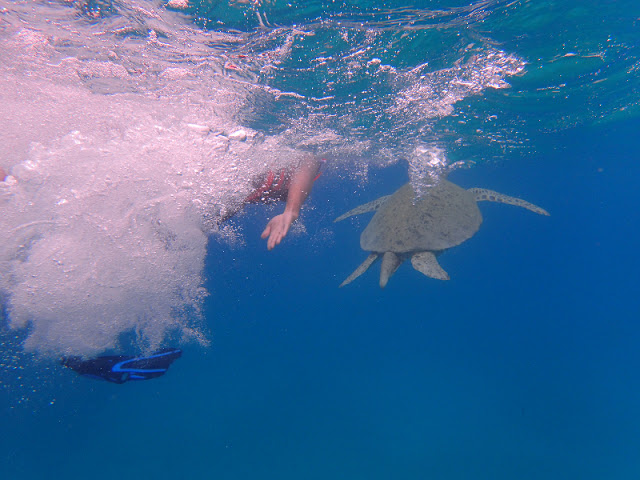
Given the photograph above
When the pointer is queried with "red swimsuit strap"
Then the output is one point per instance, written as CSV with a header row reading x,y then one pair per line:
x,y
282,182
273,188
257,194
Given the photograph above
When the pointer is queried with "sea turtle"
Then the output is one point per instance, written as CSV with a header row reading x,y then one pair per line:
x,y
403,226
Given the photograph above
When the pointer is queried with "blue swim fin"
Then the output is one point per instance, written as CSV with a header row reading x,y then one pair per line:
x,y
120,368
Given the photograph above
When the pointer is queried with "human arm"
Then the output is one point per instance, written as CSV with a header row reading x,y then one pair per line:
x,y
299,189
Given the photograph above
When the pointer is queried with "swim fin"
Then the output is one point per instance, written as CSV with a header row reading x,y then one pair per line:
x,y
120,368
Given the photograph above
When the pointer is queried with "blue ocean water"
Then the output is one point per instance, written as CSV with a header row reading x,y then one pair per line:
x,y
524,365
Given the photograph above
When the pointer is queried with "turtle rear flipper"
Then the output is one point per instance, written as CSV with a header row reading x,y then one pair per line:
x,y
427,264
364,266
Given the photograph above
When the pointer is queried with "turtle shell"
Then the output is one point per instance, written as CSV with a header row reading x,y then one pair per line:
x,y
445,216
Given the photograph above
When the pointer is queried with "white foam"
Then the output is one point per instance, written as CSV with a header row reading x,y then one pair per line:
x,y
433,94
105,215
104,232
96,243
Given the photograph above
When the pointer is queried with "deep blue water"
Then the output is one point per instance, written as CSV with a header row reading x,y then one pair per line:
x,y
523,366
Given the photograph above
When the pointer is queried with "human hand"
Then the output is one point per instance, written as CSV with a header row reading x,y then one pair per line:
x,y
277,228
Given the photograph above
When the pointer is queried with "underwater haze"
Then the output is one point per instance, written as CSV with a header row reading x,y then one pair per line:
x,y
130,129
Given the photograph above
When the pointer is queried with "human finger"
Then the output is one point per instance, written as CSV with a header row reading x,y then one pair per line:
x,y
274,239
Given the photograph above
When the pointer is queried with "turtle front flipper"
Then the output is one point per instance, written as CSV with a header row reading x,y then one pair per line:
x,y
482,194
427,264
367,207
390,263
364,266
